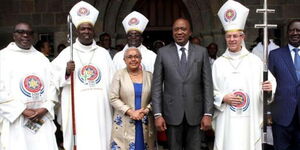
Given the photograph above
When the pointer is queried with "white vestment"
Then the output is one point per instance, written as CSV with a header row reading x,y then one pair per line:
x,y
258,50
93,73
25,82
238,128
148,58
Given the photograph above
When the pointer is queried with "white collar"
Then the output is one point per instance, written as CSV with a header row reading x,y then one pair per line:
x,y
186,46
291,47
237,55
140,48
13,46
85,48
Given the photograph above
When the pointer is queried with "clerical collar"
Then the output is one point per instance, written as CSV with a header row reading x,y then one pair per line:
x,y
236,55
13,46
85,48
140,48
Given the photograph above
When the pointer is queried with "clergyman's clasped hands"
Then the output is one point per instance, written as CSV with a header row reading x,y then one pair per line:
x,y
34,115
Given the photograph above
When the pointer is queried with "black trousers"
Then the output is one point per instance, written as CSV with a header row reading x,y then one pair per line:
x,y
184,136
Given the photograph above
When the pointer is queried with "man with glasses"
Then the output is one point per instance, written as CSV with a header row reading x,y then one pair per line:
x,y
27,95
238,86
284,63
134,25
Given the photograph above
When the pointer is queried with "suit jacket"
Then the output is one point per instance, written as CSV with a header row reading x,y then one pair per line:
x,y
122,98
175,95
288,87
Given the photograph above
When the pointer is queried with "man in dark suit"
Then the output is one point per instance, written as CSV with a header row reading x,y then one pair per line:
x,y
182,92
284,63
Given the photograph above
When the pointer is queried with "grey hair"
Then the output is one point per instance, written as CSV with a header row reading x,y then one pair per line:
x,y
132,47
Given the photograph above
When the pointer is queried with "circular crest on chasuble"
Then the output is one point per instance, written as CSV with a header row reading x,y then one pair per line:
x,y
32,85
245,101
89,74
230,15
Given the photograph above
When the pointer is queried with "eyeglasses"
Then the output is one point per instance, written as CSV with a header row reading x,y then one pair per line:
x,y
133,56
24,32
233,36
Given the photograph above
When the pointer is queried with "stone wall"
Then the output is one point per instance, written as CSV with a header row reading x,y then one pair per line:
x,y
46,16
49,17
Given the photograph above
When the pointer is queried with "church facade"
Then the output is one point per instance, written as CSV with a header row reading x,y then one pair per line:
x,y
49,18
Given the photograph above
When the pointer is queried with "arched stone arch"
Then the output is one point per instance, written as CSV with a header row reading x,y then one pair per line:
x,y
113,14
203,16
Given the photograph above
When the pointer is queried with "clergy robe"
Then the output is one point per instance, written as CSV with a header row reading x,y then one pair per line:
x,y
25,82
258,50
148,58
92,76
238,128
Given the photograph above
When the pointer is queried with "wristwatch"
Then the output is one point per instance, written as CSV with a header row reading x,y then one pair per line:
x,y
157,115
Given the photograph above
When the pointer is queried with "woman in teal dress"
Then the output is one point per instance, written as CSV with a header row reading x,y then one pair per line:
x,y
133,127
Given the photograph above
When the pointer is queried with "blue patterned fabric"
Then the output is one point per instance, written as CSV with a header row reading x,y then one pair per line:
x,y
145,120
118,120
114,146
131,146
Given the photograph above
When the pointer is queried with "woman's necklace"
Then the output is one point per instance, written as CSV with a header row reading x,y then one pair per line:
x,y
136,76
134,73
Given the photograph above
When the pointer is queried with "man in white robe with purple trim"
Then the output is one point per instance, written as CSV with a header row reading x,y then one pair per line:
x,y
93,71
27,95
238,86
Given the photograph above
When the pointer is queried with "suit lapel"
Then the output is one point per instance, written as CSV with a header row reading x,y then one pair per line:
x,y
286,55
174,56
191,57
